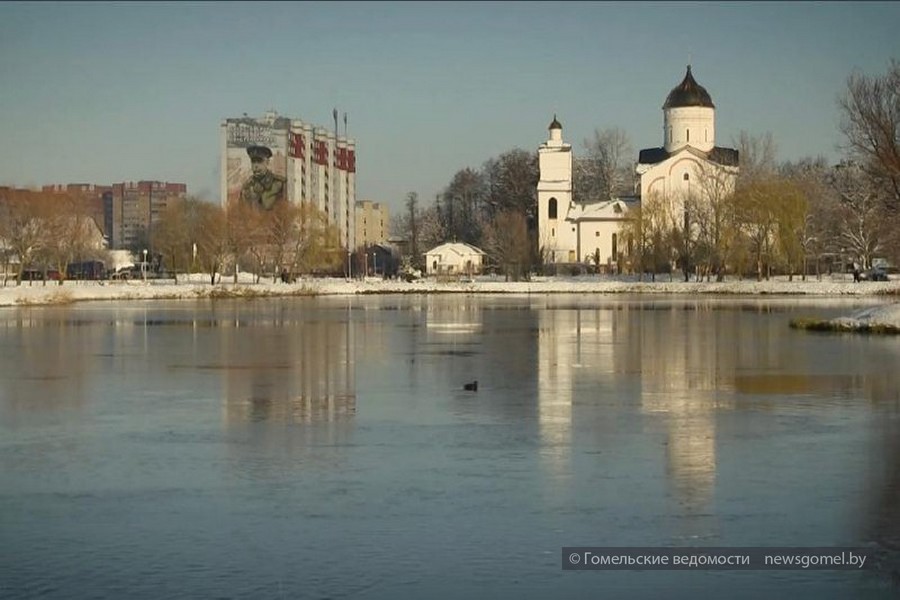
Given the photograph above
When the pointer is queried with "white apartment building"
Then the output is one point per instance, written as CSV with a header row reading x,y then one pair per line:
x,y
319,165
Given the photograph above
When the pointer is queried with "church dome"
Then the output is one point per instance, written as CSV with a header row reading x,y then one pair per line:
x,y
688,93
555,124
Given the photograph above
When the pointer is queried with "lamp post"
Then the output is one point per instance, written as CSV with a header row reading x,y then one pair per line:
x,y
374,264
144,266
349,267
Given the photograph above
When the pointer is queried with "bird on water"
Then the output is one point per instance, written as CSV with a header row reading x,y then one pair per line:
x,y
471,387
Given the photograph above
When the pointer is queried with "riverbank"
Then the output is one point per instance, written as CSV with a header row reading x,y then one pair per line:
x,y
197,286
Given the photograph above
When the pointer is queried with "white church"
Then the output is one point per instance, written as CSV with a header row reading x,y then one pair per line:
x,y
572,230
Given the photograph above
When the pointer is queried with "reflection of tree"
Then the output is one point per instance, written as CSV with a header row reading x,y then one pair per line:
x,y
52,364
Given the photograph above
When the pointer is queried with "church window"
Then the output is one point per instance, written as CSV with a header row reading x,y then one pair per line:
x,y
551,209
614,247
686,177
687,133
670,134
553,232
706,135
596,234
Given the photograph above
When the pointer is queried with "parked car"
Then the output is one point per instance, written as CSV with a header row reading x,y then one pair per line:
x,y
874,274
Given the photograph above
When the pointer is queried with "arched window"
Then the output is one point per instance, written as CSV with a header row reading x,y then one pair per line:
x,y
687,134
551,209
686,176
614,247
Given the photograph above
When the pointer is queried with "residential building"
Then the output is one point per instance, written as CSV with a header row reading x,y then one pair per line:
x,y
372,221
317,164
132,209
454,258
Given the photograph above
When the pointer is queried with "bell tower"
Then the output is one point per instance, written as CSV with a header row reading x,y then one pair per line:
x,y
554,193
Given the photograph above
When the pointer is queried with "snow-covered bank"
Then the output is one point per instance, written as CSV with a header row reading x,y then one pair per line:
x,y
36,293
874,318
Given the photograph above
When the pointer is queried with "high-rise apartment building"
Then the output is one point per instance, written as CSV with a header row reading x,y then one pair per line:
x,y
317,164
131,209
372,223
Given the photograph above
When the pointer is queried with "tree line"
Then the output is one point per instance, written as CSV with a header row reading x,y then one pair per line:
x,y
48,231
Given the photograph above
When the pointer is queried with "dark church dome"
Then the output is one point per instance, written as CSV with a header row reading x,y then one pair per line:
x,y
688,93
555,124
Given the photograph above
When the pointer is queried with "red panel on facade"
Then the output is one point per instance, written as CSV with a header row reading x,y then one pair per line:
x,y
321,153
351,161
296,148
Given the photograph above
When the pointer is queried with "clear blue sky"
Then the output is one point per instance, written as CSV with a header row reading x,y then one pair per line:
x,y
108,92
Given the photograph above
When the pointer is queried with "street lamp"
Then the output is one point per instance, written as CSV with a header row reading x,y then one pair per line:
x,y
144,266
349,266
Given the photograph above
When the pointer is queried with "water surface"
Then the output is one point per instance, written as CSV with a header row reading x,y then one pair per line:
x,y
325,447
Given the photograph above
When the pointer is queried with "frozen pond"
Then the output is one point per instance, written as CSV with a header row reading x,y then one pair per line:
x,y
325,447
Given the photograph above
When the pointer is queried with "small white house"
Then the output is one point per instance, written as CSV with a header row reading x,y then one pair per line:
x,y
454,258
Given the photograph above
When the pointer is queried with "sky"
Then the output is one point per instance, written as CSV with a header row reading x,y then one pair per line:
x,y
107,92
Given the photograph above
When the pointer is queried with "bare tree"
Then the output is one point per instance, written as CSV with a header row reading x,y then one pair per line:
x,y
21,227
316,243
171,237
508,244
412,227
606,171
512,181
714,216
870,110
460,206
861,212
757,156
208,227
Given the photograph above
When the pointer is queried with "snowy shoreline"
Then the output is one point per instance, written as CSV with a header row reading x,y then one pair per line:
x,y
34,293
198,287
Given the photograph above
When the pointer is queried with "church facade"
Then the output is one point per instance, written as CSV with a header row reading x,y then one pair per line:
x,y
688,164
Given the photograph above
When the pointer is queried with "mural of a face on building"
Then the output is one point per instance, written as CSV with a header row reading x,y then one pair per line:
x,y
263,188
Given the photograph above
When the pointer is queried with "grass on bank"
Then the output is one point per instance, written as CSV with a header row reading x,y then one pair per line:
x,y
838,325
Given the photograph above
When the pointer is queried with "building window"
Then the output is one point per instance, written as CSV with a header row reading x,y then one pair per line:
x,y
687,135
553,232
614,246
686,176
670,134
706,135
551,209
596,234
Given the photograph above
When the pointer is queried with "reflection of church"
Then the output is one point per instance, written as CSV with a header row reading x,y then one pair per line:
x,y
573,229
675,369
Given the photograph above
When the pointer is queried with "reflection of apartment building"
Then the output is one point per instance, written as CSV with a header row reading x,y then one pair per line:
x,y
371,223
131,209
306,376
319,165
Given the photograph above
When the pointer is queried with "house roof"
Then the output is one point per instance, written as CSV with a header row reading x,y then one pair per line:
x,y
459,248
727,157
616,208
688,93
